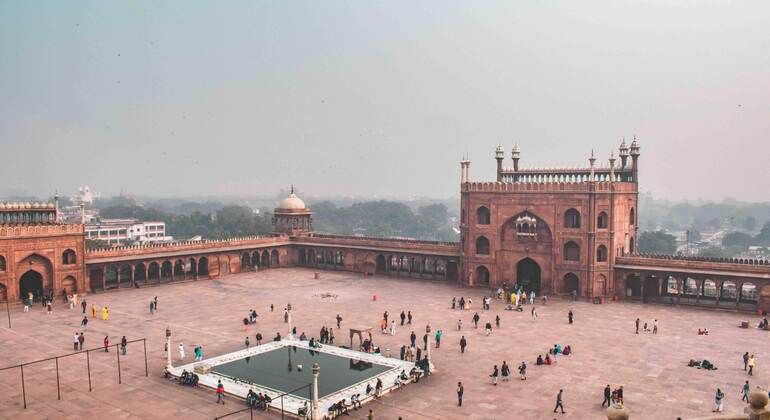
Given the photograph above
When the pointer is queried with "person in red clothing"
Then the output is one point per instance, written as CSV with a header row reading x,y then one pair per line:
x,y
220,392
106,343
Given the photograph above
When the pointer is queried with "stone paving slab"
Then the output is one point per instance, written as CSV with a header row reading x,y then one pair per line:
x,y
657,382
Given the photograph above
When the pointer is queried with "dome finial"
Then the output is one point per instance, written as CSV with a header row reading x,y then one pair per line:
x,y
292,189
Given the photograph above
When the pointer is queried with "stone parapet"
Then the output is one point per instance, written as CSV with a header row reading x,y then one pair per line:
x,y
35,230
567,187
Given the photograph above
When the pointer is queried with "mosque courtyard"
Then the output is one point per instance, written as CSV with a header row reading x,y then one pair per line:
x,y
653,369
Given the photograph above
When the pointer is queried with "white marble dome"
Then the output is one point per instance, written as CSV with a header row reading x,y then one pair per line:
x,y
292,202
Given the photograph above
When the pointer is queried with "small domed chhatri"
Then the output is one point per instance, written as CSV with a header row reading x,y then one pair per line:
x,y
292,217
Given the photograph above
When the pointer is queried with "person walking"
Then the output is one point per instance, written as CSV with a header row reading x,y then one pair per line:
x,y
258,337
106,343
392,327
439,333
49,308
93,311
523,371
637,325
620,394
152,308
745,392
655,326
559,401
123,345
81,340
75,341
220,392
412,338
459,324
463,343
476,318
403,317
155,300
83,305
494,375
339,320
570,316
505,371
247,342
105,313
534,313
460,391
746,361
497,320
409,317
84,322
181,351
719,401
607,395
752,363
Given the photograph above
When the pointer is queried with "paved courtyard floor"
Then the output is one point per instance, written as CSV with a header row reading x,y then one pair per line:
x,y
653,368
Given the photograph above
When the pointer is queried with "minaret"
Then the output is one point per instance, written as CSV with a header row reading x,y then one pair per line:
x,y
499,156
515,153
591,161
82,213
464,165
635,159
56,206
612,166
623,154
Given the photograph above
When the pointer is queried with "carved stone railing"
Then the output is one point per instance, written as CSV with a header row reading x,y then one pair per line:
x,y
193,246
42,229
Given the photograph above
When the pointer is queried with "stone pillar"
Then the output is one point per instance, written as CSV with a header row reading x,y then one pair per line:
x,y
117,276
288,310
315,413
133,275
104,278
427,349
168,346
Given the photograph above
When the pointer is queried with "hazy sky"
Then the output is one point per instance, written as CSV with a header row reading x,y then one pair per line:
x,y
378,98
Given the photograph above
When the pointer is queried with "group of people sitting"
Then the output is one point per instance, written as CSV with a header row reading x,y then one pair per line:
x,y
556,350
341,407
313,344
377,388
704,331
188,378
701,364
259,401
369,347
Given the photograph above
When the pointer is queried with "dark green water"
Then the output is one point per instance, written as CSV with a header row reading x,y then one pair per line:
x,y
277,369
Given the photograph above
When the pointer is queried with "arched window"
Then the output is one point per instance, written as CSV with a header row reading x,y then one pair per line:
x,y
601,221
632,217
482,276
482,245
571,251
482,216
601,253
572,219
68,257
2,263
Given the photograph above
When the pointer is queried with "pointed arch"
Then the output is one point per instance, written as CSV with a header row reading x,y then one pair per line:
x,y
274,258
571,283
602,220
482,245
482,276
483,215
601,253
572,219
571,251
68,257
3,264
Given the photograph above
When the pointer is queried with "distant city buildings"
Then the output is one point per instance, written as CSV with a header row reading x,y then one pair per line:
x,y
124,231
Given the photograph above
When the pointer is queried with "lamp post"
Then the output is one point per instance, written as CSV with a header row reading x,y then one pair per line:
x,y
427,349
315,413
288,311
168,348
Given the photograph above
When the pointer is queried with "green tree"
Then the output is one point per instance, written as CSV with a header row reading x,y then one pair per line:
x,y
763,237
737,239
657,242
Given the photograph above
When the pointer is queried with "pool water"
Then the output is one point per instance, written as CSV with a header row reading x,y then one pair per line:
x,y
279,370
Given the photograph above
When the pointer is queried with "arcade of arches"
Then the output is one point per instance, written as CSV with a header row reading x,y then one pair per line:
x,y
690,289
165,270
401,265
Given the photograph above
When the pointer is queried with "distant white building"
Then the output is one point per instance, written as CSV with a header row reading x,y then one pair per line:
x,y
85,195
120,231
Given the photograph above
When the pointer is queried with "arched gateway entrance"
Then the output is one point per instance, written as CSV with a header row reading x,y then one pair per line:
x,y
31,281
528,275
